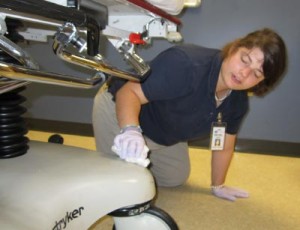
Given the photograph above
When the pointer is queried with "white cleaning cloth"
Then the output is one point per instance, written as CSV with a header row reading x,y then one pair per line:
x,y
140,161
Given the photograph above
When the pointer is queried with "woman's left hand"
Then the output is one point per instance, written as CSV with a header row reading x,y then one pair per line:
x,y
229,193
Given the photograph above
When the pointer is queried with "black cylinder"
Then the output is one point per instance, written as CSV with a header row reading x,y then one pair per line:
x,y
13,128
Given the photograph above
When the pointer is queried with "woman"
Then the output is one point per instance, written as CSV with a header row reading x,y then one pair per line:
x,y
189,89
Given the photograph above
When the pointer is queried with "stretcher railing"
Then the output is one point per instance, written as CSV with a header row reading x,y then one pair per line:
x,y
75,28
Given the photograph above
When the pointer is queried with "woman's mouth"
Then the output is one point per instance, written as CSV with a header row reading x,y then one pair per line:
x,y
235,79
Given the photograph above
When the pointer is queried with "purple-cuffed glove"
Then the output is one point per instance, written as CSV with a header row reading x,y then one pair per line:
x,y
229,193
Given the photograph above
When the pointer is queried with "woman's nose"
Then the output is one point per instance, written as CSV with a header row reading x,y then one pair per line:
x,y
246,71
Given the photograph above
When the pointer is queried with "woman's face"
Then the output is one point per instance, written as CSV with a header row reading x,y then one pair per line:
x,y
243,69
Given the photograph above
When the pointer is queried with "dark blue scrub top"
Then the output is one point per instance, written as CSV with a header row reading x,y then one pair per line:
x,y
180,90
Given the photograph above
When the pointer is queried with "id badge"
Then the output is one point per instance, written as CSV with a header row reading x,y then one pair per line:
x,y
218,132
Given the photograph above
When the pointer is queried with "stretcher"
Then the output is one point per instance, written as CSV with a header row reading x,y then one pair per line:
x,y
52,186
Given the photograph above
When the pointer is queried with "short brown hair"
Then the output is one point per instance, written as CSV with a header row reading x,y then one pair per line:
x,y
275,56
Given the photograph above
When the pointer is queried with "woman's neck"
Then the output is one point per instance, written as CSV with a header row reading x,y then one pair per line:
x,y
222,91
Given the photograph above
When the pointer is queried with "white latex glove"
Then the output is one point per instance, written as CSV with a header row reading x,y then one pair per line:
x,y
131,146
140,161
229,193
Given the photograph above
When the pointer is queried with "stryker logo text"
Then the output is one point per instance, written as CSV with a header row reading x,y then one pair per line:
x,y
62,224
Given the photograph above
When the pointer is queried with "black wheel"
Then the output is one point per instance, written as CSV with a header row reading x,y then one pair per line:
x,y
163,216
152,218
56,138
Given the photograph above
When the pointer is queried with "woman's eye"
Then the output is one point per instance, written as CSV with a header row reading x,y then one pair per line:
x,y
245,59
258,74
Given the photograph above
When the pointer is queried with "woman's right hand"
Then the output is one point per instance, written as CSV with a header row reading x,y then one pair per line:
x,y
130,144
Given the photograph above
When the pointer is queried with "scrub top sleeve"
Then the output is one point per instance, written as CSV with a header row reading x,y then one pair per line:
x,y
170,76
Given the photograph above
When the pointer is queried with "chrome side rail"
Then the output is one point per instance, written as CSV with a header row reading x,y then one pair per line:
x,y
17,53
20,73
68,34
30,73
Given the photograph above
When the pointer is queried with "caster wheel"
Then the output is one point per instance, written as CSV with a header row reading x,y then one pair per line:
x,y
56,138
152,218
